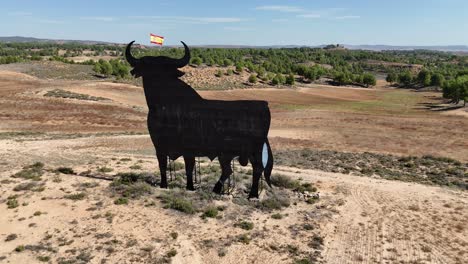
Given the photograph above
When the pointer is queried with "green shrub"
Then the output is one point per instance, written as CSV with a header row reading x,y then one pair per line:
x,y
32,172
210,212
19,248
104,169
277,216
121,200
284,181
176,165
12,203
75,196
26,186
171,253
312,200
43,258
177,202
134,191
306,187
316,242
274,203
135,167
252,79
244,225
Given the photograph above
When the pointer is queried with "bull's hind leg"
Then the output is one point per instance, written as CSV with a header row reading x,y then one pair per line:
x,y
189,164
257,167
225,163
162,160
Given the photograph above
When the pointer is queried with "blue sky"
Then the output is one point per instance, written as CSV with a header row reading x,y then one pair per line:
x,y
242,22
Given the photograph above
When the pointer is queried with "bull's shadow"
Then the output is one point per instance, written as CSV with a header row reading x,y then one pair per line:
x,y
182,123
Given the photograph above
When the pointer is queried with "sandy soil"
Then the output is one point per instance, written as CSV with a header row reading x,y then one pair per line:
x,y
362,220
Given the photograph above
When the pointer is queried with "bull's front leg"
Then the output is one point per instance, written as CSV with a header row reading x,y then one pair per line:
x,y
162,160
189,164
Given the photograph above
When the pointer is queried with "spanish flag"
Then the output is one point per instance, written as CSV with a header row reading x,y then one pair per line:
x,y
155,39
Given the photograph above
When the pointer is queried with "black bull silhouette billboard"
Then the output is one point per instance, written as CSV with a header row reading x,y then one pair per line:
x,y
182,123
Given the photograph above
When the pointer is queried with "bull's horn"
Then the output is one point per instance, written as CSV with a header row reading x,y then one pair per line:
x,y
184,60
128,55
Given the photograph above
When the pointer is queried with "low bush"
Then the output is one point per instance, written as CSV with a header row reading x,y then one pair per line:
x,y
177,202
210,212
75,196
244,225
32,172
121,200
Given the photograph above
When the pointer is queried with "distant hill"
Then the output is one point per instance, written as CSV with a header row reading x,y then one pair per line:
x,y
59,41
452,48
448,48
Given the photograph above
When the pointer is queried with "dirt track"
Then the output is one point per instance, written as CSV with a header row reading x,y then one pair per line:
x,y
393,222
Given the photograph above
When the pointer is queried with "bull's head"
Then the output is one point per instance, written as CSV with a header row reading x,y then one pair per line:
x,y
156,66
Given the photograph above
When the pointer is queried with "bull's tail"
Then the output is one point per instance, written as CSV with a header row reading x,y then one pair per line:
x,y
269,162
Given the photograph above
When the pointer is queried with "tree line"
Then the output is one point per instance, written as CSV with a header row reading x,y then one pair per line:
x,y
275,66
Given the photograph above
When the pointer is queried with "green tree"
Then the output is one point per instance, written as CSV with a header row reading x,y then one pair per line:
x,y
368,79
391,77
278,79
457,89
260,71
97,68
210,62
239,67
405,78
122,70
197,61
252,78
341,78
424,77
290,79
437,79
227,62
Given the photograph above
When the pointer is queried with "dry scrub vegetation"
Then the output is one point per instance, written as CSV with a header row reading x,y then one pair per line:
x,y
78,176
101,213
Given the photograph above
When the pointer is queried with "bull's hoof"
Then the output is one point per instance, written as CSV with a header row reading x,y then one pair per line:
x,y
253,196
218,188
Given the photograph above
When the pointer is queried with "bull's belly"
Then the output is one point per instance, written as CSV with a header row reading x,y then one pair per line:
x,y
178,145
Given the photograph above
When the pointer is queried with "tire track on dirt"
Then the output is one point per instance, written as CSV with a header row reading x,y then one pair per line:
x,y
389,221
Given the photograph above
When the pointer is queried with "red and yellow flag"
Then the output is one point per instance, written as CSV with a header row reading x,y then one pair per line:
x,y
155,39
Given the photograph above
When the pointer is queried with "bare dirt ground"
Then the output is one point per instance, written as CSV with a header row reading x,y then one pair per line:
x,y
360,219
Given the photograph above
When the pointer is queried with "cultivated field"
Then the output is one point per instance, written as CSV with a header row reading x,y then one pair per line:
x,y
76,128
